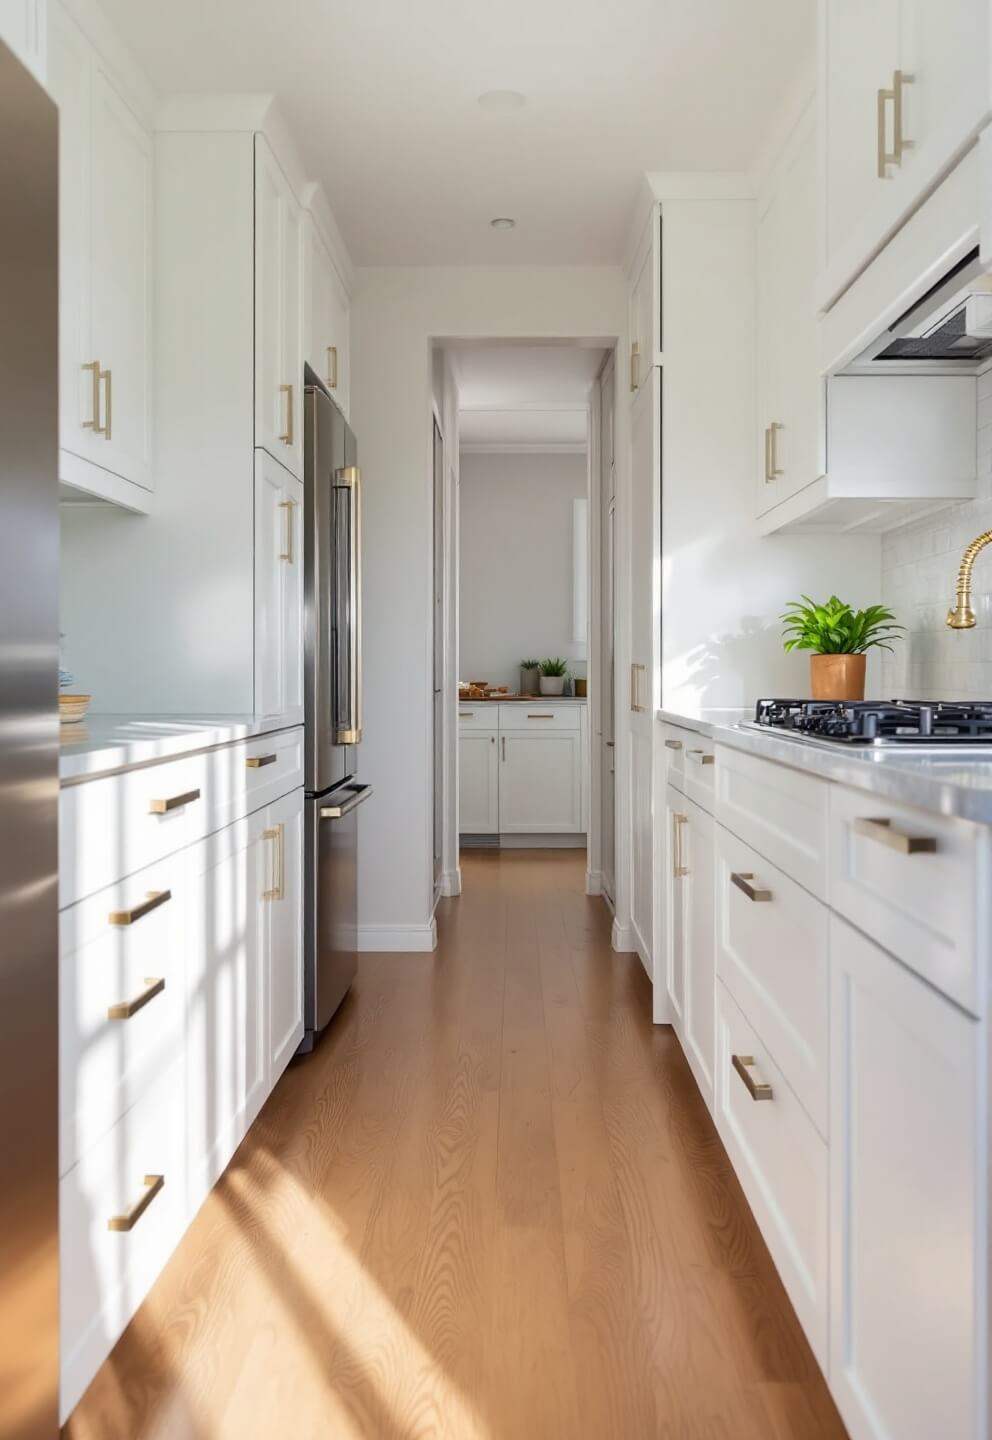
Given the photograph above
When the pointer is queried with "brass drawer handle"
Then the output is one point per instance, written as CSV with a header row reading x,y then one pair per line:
x,y
278,890
108,380
174,802
332,367
466,714
757,1089
753,892
152,1185
93,366
154,898
289,553
124,1009
546,715
673,744
635,366
679,867
880,830
287,436
774,471
702,757
258,762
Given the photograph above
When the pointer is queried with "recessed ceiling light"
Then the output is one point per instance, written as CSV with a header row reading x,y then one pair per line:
x,y
502,100
502,222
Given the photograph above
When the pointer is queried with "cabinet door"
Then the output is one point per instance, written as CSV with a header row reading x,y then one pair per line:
x,y
22,28
540,783
328,350
699,1022
908,1266
280,925
121,281
291,341
478,783
676,905
645,316
278,590
278,312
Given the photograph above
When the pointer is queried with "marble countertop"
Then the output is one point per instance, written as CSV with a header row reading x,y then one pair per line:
x,y
104,744
945,779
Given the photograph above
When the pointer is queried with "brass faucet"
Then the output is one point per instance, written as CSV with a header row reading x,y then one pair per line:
x,y
962,617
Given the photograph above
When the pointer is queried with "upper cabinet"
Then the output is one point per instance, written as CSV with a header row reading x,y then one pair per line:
x,y
23,27
105,275
327,318
644,318
279,267
904,88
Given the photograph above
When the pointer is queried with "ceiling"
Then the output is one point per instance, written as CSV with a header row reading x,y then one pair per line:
x,y
383,97
524,397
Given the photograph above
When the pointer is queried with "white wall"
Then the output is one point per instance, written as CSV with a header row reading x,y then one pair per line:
x,y
396,312
517,562
919,573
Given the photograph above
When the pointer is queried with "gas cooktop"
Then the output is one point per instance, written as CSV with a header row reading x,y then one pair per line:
x,y
879,722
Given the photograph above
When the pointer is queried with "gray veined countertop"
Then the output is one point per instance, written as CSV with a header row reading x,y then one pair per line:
x,y
105,744
945,779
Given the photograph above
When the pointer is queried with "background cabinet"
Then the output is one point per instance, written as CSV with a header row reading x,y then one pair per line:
x,y
23,28
278,590
540,782
478,783
278,312
327,319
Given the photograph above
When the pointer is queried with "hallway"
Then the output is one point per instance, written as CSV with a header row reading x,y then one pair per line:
x,y
491,1206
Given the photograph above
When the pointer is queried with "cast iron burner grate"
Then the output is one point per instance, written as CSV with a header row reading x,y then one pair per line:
x,y
880,722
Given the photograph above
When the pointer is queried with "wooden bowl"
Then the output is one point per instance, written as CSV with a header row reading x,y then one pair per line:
x,y
73,708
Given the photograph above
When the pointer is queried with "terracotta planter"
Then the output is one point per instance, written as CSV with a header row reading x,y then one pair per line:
x,y
837,677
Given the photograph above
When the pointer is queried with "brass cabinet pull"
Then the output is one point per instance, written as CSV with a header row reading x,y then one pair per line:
x,y
332,367
881,831
679,868
93,366
757,1089
174,802
702,757
152,1185
288,554
768,456
349,477
743,880
673,744
108,382
635,366
504,746
359,795
882,154
154,898
278,890
774,473
124,1009
466,715
287,436
546,715
635,688
899,142
258,762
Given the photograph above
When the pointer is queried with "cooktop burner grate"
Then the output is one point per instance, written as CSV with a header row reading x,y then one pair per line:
x,y
880,722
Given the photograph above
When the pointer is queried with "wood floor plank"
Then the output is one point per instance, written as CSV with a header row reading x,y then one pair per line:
x,y
490,1206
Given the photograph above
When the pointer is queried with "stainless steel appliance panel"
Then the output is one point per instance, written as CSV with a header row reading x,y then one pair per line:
x,y
331,919
29,736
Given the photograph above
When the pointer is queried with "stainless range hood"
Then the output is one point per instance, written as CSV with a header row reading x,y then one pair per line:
x,y
948,330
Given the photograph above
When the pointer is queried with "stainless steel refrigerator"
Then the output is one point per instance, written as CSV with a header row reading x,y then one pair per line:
x,y
29,734
332,579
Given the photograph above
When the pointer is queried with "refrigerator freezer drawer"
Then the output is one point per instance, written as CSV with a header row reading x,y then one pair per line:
x,y
331,908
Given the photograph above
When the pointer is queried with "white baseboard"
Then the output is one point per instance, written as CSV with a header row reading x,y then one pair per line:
x,y
622,938
397,939
643,951
594,882
451,882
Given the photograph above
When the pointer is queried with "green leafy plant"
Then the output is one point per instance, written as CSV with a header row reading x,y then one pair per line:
x,y
530,664
834,628
554,667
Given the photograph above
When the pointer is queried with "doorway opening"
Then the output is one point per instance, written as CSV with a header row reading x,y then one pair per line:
x,y
523,602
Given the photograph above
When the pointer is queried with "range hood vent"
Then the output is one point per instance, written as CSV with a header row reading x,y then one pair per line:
x,y
951,325
949,340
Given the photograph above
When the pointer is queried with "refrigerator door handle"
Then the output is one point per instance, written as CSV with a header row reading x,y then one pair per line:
x,y
359,795
350,478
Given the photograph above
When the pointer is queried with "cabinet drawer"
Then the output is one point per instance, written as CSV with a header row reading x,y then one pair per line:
x,y
699,772
781,1163
478,717
245,777
781,812
105,1274
772,955
121,1000
674,742
523,716
918,884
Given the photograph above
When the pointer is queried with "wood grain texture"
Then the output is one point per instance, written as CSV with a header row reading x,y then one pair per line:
x,y
490,1206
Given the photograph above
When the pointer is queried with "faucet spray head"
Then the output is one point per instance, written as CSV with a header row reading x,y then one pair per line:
x,y
962,616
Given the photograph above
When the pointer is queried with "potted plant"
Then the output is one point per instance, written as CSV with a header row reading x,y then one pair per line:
x,y
530,671
839,638
553,676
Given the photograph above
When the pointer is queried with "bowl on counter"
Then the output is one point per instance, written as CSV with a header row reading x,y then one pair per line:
x,y
73,708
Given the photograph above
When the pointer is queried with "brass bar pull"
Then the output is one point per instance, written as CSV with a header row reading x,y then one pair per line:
x,y
768,456
504,746
124,1009
635,366
899,142
152,1185
108,413
635,688
359,795
546,716
93,366
885,156
774,473
757,1089
679,868
174,802
673,744
287,436
332,367
288,554
154,898
278,889
702,757
881,831
259,762
350,478
743,881
466,715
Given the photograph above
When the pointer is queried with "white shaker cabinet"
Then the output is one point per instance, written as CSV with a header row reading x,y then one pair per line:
x,y
280,931
278,590
23,28
540,782
106,178
279,268
908,1248
478,782
689,933
327,318
904,86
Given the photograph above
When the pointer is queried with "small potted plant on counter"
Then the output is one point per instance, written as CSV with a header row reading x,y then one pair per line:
x,y
553,676
839,638
530,673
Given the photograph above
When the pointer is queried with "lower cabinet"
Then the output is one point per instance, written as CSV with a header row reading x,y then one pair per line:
x,y
908,1246
689,932
478,783
540,782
